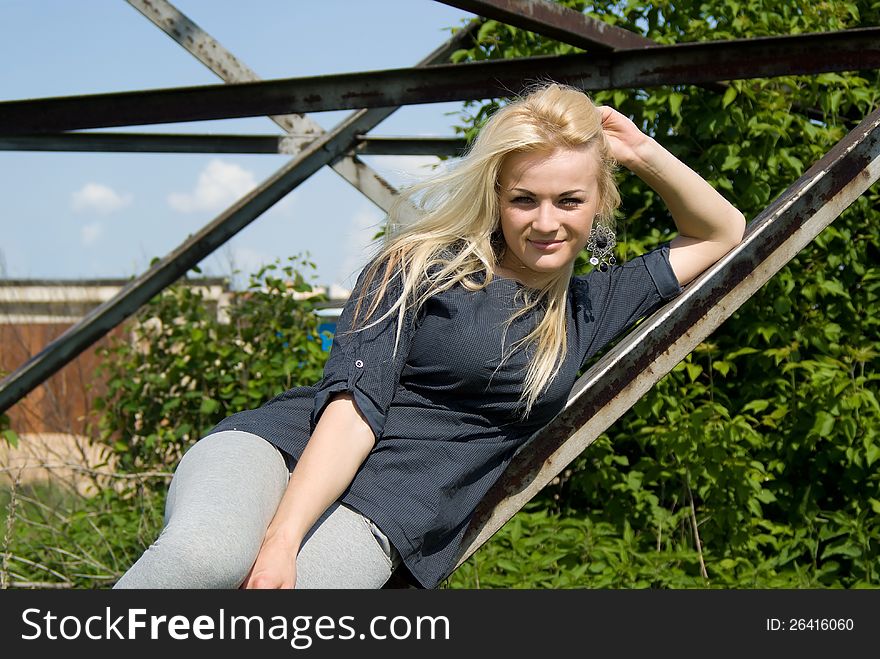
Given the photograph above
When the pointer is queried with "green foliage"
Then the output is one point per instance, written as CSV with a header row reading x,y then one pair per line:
x,y
540,549
187,370
766,439
6,433
53,537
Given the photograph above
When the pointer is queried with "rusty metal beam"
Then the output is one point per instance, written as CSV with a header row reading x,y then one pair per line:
x,y
631,368
689,63
377,145
556,21
373,145
155,143
326,149
569,26
230,69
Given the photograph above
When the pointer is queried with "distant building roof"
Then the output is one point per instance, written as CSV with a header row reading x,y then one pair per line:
x,y
32,301
38,301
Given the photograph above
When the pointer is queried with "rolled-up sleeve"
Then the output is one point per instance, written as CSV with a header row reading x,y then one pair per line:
x,y
621,296
366,362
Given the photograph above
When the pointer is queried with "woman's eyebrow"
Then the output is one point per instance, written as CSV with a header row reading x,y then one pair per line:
x,y
561,194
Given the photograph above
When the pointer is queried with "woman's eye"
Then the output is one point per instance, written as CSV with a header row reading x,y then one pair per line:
x,y
571,202
521,200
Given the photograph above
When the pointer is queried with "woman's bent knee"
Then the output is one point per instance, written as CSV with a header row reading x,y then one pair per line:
x,y
186,560
222,497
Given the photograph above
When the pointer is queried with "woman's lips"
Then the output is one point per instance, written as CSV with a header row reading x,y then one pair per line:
x,y
546,245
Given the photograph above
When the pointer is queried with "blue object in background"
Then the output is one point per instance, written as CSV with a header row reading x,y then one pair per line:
x,y
326,341
327,318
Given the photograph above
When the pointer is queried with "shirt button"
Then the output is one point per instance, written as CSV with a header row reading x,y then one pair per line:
x,y
359,363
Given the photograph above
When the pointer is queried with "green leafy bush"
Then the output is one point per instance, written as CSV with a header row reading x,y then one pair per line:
x,y
187,370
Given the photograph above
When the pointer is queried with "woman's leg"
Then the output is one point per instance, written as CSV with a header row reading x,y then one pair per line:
x,y
222,497
344,549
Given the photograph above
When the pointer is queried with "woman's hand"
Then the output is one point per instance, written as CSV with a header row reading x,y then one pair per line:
x,y
275,567
624,137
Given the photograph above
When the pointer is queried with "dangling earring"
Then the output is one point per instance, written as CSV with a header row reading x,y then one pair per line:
x,y
601,246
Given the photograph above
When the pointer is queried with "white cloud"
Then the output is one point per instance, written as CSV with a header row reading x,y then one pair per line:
x,y
97,198
90,233
219,184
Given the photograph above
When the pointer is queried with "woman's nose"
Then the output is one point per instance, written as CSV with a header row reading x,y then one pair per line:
x,y
545,219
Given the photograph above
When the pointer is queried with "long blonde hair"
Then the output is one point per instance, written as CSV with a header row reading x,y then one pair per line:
x,y
456,237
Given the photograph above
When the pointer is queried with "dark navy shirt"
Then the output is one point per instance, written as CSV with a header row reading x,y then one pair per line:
x,y
445,410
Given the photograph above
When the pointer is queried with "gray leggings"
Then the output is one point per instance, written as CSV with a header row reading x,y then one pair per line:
x,y
222,497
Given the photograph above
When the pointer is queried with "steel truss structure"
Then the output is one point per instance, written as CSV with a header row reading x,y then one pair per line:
x,y
616,58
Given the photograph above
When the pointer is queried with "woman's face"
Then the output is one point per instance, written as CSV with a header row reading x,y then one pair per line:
x,y
548,201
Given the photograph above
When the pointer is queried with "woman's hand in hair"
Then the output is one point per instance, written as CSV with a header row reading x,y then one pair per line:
x,y
624,137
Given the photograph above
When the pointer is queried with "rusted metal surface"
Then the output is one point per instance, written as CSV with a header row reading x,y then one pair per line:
x,y
153,143
555,21
327,148
252,144
631,368
690,63
375,145
231,70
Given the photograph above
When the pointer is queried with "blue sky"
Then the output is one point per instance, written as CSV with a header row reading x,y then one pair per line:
x,y
95,215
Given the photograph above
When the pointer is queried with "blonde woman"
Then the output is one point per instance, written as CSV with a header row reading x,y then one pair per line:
x,y
462,337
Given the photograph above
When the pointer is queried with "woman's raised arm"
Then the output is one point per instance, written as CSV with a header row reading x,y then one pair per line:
x,y
708,225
